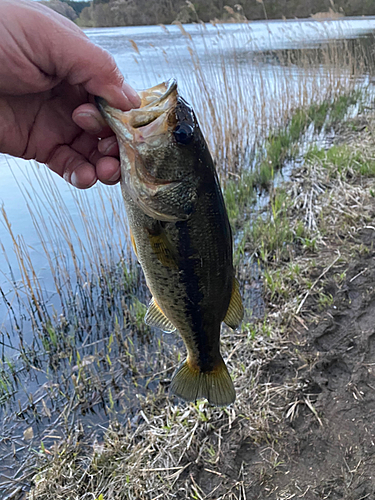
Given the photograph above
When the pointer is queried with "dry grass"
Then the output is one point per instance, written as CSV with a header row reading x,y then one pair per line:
x,y
331,14
160,454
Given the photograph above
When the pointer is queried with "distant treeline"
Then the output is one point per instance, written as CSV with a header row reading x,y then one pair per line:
x,y
68,8
141,12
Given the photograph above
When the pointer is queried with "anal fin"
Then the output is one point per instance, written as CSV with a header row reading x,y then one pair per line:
x,y
235,311
155,317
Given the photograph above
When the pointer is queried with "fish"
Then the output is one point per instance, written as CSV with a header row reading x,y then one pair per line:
x,y
180,233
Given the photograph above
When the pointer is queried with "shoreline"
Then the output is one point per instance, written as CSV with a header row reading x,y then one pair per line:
x,y
255,21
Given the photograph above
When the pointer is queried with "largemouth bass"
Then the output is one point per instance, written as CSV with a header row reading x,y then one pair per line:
x,y
180,233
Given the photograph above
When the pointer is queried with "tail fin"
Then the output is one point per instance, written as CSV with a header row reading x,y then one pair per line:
x,y
190,384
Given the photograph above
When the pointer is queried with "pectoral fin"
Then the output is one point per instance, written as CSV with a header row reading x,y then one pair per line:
x,y
155,317
162,247
175,201
170,202
235,311
133,243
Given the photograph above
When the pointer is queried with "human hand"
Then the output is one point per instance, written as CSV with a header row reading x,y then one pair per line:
x,y
49,74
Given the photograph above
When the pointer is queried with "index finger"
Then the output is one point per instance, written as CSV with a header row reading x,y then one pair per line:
x,y
88,117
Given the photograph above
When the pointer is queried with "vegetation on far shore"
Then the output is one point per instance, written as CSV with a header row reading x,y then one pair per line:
x,y
143,12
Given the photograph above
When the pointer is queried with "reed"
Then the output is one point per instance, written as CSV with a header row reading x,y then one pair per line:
x,y
239,107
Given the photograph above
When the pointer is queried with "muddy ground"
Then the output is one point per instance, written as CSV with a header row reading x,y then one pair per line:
x,y
326,439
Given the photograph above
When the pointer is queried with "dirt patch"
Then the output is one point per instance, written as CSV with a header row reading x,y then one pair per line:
x,y
326,440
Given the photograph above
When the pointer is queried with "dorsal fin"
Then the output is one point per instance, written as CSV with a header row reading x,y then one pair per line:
x,y
235,311
155,317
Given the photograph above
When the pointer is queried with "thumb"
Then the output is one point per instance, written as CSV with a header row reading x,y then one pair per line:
x,y
95,69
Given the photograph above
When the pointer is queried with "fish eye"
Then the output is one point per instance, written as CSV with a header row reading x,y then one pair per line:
x,y
183,133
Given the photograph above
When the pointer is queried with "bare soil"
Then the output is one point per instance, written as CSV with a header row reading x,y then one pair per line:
x,y
325,447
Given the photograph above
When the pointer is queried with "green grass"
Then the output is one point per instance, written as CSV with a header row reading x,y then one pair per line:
x,y
239,196
270,234
343,160
318,114
341,105
9,380
284,144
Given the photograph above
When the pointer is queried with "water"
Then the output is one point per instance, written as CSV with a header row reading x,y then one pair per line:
x,y
164,51
147,56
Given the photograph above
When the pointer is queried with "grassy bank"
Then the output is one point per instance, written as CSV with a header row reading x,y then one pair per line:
x,y
283,146
298,244
100,367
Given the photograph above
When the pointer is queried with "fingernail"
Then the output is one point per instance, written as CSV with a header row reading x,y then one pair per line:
x,y
115,177
88,121
108,145
73,179
131,94
75,182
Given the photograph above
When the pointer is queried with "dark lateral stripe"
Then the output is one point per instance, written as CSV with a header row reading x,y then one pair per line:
x,y
190,280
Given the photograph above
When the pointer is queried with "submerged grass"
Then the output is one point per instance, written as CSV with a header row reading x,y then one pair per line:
x,y
90,350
